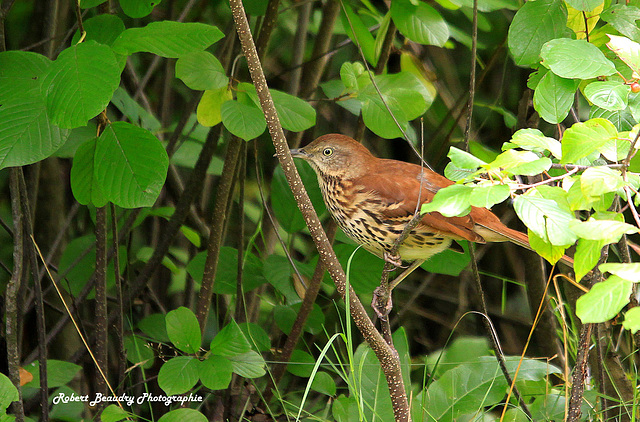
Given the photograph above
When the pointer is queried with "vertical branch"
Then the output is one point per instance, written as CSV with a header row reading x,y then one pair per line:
x,y
299,47
240,315
579,374
40,321
101,300
122,358
218,218
268,23
11,294
389,360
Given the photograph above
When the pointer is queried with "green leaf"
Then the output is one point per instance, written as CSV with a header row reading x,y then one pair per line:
x,y
365,270
138,352
8,393
596,181
587,255
183,415
534,140
248,365
86,188
452,201
201,71
349,74
285,206
284,317
133,111
131,165
623,18
138,8
376,116
629,271
103,29
114,413
243,120
183,330
209,109
215,372
324,384
167,38
256,336
301,364
582,139
295,114
576,59
419,22
545,249
546,219
610,95
155,327
372,386
464,160
554,97
80,83
632,320
487,196
628,51
520,163
230,341
448,262
277,270
58,373
606,230
360,34
85,4
533,25
178,375
604,300
584,5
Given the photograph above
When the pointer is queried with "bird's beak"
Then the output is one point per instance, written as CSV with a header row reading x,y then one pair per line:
x,y
298,152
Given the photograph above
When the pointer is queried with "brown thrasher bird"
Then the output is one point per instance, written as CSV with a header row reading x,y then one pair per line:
x,y
373,199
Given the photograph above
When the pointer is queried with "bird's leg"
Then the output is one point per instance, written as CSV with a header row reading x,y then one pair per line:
x,y
393,259
415,264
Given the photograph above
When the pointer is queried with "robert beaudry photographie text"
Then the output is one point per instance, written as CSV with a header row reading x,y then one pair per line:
x,y
126,399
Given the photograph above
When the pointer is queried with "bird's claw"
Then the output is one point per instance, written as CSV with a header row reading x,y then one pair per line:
x,y
380,306
393,259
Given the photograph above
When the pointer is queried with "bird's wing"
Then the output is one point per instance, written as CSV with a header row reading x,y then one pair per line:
x,y
401,186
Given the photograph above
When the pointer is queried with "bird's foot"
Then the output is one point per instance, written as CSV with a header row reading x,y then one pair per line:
x,y
393,259
381,303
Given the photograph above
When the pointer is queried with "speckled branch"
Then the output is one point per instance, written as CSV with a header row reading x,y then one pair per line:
x,y
388,359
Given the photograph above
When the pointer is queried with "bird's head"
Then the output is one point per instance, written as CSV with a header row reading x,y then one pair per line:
x,y
335,155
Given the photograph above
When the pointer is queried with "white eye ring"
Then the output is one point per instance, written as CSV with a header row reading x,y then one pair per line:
x,y
327,152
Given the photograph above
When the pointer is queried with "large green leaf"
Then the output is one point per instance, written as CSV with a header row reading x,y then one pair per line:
x,y
26,132
533,25
183,330
627,50
359,33
604,300
452,201
582,139
246,121
201,71
230,341
131,165
584,5
623,18
576,59
295,114
138,8
215,372
546,219
167,38
103,29
178,375
419,22
610,95
587,255
248,365
554,97
84,185
630,271
80,83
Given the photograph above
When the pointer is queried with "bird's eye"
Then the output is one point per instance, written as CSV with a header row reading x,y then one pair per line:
x,y
327,152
